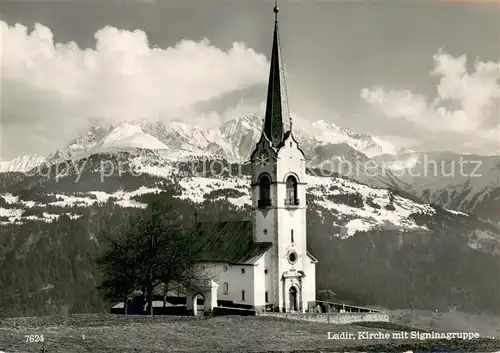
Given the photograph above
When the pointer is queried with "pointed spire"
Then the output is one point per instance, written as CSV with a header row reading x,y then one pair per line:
x,y
273,122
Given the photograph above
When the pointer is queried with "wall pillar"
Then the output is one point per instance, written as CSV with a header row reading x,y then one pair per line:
x,y
210,295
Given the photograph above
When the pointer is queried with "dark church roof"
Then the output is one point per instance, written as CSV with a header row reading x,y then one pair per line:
x,y
273,121
230,242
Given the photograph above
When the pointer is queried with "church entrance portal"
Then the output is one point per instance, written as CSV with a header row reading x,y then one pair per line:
x,y
292,291
292,294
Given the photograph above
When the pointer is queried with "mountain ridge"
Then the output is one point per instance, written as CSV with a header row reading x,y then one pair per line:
x,y
224,138
328,146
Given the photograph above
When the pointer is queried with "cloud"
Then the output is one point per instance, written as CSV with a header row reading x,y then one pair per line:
x,y
400,142
209,118
244,108
50,90
475,97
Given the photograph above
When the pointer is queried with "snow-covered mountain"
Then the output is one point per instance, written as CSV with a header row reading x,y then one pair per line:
x,y
327,145
465,182
236,138
177,135
434,177
233,140
434,170
322,132
107,138
22,163
127,135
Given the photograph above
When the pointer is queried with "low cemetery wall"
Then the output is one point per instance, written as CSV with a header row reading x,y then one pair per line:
x,y
332,318
221,311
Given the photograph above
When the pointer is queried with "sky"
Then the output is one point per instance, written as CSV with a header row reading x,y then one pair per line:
x,y
423,74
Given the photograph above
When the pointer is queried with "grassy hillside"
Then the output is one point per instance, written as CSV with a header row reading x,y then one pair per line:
x,y
111,334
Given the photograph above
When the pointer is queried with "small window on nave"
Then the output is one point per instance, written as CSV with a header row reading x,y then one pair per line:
x,y
226,287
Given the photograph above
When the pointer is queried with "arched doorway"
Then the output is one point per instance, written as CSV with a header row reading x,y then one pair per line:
x,y
292,295
198,304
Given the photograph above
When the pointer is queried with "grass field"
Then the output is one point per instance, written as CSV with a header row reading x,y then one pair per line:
x,y
124,334
455,321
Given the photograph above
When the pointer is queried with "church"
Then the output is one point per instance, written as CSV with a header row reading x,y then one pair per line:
x,y
263,264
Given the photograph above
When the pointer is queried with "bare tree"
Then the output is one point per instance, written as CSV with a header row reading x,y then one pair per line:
x,y
118,266
154,249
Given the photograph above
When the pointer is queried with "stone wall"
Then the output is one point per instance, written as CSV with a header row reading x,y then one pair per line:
x,y
332,318
222,311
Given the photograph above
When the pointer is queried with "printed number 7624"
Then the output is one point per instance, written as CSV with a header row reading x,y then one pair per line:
x,y
34,338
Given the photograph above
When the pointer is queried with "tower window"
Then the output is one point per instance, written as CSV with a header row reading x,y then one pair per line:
x,y
291,191
242,295
291,235
265,271
267,297
226,287
242,271
264,191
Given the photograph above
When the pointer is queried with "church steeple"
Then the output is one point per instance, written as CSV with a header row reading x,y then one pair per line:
x,y
273,122
279,201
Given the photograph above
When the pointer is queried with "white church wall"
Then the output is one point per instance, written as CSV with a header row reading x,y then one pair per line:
x,y
260,285
263,279
293,220
239,278
264,225
240,282
270,279
310,282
